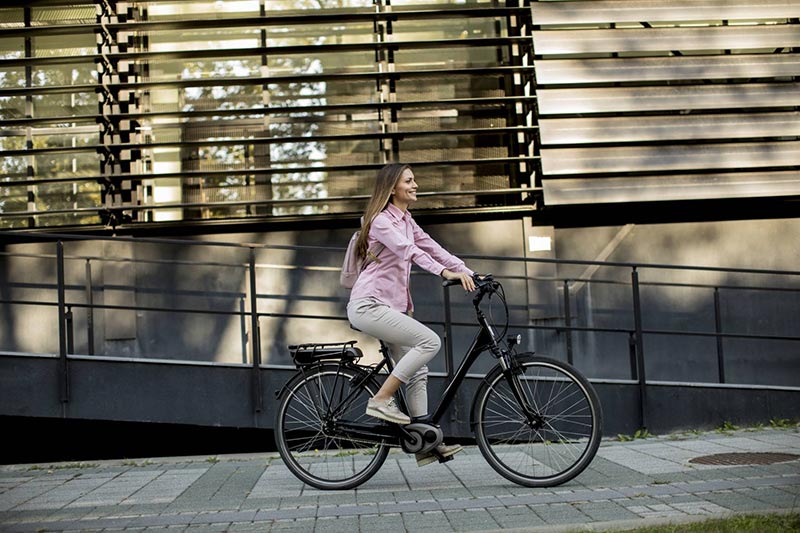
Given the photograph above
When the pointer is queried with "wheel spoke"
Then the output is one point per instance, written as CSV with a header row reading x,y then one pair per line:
x,y
313,448
555,447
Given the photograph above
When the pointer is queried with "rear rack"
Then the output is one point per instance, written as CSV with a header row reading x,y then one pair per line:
x,y
312,353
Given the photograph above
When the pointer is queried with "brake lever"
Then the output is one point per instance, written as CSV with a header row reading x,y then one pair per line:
x,y
482,281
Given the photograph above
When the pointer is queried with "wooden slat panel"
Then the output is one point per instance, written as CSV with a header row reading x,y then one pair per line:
x,y
622,99
665,39
687,127
587,12
565,161
665,188
629,69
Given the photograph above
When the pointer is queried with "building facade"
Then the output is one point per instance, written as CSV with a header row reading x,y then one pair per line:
x,y
586,151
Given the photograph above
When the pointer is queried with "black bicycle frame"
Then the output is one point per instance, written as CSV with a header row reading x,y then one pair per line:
x,y
484,340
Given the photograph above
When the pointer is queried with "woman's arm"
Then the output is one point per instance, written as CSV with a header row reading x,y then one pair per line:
x,y
426,243
466,279
396,242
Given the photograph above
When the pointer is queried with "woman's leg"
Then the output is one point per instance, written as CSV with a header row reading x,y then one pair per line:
x,y
417,386
398,329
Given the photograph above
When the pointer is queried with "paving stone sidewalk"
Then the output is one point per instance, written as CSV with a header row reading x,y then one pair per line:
x,y
627,484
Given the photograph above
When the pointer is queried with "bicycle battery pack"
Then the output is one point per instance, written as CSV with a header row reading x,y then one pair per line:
x,y
313,353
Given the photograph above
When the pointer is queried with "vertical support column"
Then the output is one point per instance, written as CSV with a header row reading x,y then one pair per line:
x,y
531,172
63,363
255,337
263,156
31,166
386,86
120,188
640,371
521,85
718,328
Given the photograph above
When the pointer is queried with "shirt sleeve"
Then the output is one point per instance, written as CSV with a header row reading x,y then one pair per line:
x,y
387,234
435,250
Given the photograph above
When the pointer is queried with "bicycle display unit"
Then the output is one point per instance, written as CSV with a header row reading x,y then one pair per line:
x,y
537,421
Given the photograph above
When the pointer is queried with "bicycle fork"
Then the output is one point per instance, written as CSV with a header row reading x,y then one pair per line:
x,y
511,371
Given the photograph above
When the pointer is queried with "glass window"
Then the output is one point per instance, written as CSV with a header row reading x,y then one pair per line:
x,y
246,108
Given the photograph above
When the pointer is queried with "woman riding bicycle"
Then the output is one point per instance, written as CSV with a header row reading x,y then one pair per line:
x,y
380,302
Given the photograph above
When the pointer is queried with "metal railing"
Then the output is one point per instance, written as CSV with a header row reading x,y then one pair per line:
x,y
249,312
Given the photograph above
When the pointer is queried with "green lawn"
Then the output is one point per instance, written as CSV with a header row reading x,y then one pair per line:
x,y
767,523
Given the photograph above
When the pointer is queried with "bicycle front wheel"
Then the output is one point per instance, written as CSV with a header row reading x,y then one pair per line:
x,y
555,447
308,428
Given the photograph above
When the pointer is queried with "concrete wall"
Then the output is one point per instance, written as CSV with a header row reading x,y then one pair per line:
x,y
761,310
204,321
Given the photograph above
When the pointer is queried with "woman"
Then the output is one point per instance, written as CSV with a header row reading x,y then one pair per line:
x,y
380,302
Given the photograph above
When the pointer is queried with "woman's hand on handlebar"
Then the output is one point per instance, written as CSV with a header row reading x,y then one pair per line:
x,y
465,279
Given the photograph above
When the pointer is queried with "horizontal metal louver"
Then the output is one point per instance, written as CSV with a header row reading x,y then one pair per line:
x,y
644,101
164,111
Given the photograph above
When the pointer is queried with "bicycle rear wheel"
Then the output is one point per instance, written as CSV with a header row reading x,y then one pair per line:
x,y
563,440
307,428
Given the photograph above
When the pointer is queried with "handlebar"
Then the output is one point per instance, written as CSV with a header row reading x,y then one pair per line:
x,y
485,285
481,281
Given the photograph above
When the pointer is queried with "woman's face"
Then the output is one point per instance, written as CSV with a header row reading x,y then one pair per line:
x,y
405,190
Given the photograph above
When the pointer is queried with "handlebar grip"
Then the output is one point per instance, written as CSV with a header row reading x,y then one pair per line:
x,y
477,277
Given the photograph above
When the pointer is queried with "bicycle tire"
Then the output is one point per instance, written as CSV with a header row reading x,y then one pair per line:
x,y
318,456
568,438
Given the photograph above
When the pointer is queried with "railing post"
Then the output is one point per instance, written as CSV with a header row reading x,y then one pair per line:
x,y
255,337
449,364
640,372
718,328
448,334
70,330
632,354
568,321
89,309
63,364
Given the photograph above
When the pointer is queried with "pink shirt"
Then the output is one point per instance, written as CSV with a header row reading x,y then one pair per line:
x,y
405,242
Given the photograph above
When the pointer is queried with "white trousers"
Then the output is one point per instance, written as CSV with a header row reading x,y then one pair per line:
x,y
411,344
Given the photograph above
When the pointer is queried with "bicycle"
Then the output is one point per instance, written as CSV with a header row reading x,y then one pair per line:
x,y
537,421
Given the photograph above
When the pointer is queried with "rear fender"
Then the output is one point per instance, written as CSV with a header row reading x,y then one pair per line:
x,y
313,369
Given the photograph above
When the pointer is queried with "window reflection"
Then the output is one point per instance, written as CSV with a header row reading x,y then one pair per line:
x,y
221,110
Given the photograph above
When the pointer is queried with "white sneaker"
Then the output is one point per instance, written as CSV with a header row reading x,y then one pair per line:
x,y
443,449
387,410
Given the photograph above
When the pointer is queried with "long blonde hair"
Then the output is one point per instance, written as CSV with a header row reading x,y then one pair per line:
x,y
381,194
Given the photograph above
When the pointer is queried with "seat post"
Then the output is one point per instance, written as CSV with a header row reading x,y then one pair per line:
x,y
385,352
387,356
